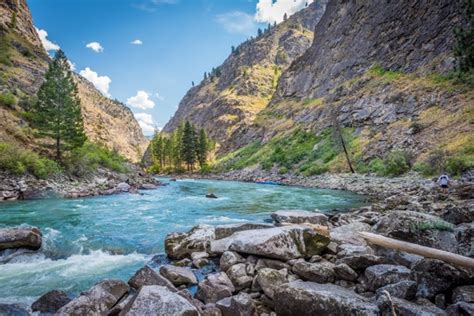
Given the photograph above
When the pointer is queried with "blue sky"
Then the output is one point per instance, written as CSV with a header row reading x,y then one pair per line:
x,y
146,53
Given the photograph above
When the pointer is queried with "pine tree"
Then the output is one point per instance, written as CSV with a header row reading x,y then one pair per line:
x,y
259,32
192,83
202,148
232,49
285,17
157,150
57,113
205,75
188,149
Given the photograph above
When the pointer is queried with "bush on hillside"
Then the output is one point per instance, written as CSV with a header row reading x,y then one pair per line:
x,y
396,163
8,99
19,161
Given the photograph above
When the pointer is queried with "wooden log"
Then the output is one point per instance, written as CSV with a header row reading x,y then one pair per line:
x,y
423,251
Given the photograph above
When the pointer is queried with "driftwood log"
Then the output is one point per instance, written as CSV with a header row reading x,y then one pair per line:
x,y
423,251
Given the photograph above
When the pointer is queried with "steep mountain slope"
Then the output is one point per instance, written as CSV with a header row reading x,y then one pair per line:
x,y
243,85
378,70
23,62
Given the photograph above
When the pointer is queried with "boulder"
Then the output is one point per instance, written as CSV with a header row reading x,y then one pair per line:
x,y
239,276
200,263
50,302
178,275
223,231
299,217
383,274
158,300
19,237
464,294
362,261
308,298
215,287
228,259
460,309
123,187
320,272
269,279
98,300
347,234
271,263
435,276
211,196
344,272
199,255
405,308
284,243
403,289
148,276
182,245
237,305
13,310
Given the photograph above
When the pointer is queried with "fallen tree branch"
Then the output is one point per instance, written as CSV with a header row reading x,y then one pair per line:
x,y
423,251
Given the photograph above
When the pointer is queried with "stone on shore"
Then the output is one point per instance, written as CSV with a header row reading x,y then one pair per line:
x,y
320,272
215,287
270,279
239,276
403,289
158,300
223,231
148,276
464,294
228,259
96,301
182,245
299,217
50,302
308,298
348,234
19,237
13,310
404,307
178,275
237,305
384,274
284,243
344,272
123,187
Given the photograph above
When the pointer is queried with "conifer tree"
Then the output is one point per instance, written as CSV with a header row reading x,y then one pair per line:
x,y
157,150
57,113
259,33
202,148
188,149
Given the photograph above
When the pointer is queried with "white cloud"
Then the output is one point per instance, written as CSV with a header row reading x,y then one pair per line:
x,y
159,97
146,123
141,101
237,22
96,47
47,44
100,82
269,11
71,65
136,42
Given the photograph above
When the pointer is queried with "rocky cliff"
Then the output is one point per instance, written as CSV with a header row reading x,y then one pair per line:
x,y
379,70
243,85
23,63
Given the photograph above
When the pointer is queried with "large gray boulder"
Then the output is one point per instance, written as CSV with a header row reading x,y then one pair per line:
x,y
19,237
50,302
228,259
148,276
178,275
308,298
223,231
403,289
182,245
320,272
405,308
215,287
270,279
239,276
284,243
238,305
98,300
299,217
158,300
384,274
348,234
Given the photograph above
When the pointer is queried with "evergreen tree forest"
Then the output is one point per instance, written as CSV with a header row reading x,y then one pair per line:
x,y
185,150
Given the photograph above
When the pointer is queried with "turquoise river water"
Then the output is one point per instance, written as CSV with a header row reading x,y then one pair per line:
x,y
89,239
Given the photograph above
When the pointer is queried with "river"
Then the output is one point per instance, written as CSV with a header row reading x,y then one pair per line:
x,y
89,239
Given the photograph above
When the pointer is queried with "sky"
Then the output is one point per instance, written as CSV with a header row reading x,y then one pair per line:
x,y
147,53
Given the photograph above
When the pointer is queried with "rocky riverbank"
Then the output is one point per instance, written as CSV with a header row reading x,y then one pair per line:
x,y
101,182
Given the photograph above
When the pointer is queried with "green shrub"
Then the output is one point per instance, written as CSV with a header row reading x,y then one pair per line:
x,y
19,161
458,164
396,163
283,170
315,170
8,99
89,157
424,168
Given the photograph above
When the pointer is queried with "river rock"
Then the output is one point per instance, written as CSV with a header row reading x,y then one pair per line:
x,y
348,234
50,302
464,294
148,276
284,243
123,187
344,272
239,276
435,276
178,275
228,259
272,264
299,217
215,287
223,231
13,310
403,289
362,261
19,237
158,300
269,279
99,299
383,274
460,309
320,272
403,307
309,298
182,245
237,305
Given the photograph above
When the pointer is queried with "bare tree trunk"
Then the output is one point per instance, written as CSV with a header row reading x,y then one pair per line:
x,y
338,130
